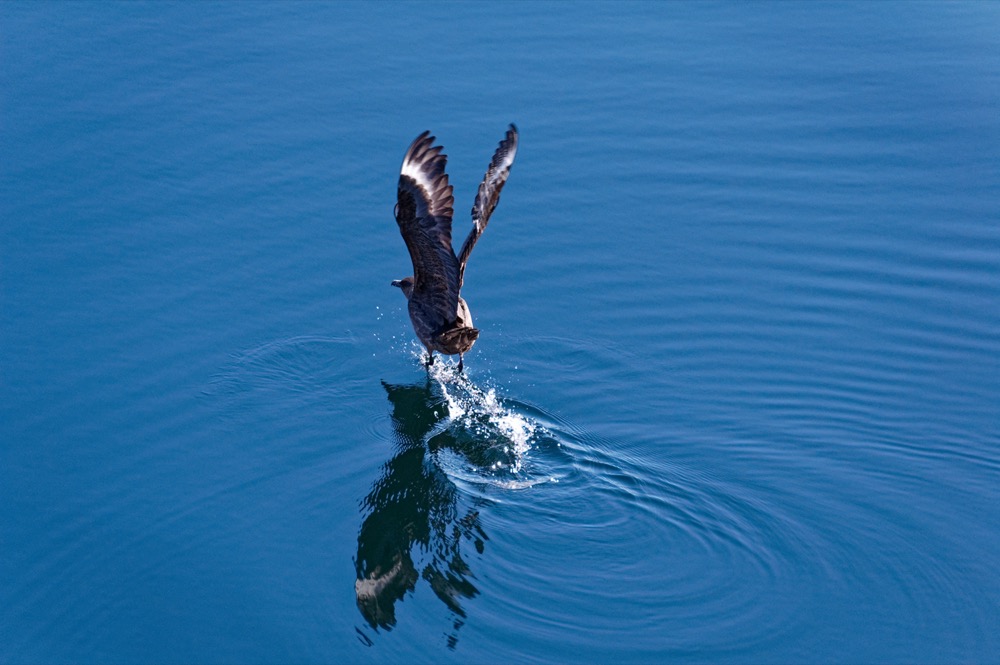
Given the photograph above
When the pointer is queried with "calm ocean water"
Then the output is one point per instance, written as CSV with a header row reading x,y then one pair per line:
x,y
737,393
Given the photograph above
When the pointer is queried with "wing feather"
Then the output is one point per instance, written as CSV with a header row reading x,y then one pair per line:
x,y
423,213
488,195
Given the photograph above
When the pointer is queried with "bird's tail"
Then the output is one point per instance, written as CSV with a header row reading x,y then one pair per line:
x,y
459,338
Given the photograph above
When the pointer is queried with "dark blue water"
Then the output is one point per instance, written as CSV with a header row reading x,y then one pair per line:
x,y
737,392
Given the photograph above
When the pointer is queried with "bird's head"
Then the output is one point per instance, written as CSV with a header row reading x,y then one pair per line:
x,y
405,285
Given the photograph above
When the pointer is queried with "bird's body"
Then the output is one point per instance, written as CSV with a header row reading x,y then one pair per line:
x,y
440,316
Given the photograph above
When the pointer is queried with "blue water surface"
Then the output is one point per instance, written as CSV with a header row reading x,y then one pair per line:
x,y
736,397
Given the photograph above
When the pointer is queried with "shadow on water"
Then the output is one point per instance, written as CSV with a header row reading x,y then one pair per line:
x,y
415,527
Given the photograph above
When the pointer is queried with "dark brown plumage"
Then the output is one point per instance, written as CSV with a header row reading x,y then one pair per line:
x,y
440,316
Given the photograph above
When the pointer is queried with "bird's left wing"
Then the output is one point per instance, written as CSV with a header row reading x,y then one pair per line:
x,y
423,212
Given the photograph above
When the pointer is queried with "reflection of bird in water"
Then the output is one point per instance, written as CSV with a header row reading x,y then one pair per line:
x,y
440,316
414,503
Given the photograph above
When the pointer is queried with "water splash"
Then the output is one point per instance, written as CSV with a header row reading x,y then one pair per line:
x,y
492,436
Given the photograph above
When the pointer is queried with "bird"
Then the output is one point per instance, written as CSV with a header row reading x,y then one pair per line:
x,y
440,316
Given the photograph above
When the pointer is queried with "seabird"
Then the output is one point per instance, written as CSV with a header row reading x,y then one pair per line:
x,y
440,315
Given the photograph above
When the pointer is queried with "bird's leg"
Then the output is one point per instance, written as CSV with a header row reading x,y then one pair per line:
x,y
460,362
430,358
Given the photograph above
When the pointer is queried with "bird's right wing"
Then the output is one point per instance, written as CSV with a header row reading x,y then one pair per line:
x,y
488,195
423,212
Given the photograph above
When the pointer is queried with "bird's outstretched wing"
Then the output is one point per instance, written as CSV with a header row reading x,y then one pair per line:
x,y
423,212
488,195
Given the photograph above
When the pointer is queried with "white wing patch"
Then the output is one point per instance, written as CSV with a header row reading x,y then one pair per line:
x,y
508,159
412,170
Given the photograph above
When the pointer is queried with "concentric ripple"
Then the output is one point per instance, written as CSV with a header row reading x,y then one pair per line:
x,y
667,544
